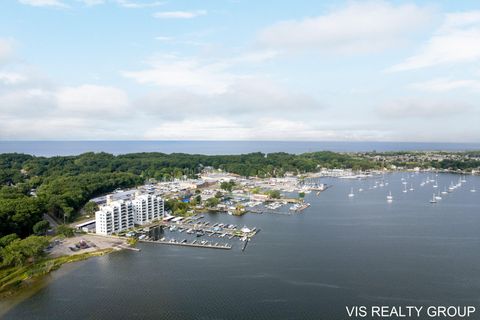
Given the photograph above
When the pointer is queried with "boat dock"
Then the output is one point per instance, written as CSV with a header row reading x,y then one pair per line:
x,y
302,207
128,248
210,230
262,211
190,244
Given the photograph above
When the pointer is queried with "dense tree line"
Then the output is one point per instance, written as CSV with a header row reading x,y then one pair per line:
x,y
18,252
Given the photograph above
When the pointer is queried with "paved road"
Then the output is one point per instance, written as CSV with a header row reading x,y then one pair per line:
x,y
52,222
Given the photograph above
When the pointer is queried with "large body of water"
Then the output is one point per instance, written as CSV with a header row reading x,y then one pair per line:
x,y
54,148
341,251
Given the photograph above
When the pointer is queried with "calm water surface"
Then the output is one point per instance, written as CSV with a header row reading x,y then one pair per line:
x,y
338,252
53,148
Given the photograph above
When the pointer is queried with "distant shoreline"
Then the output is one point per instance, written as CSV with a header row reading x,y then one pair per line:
x,y
116,147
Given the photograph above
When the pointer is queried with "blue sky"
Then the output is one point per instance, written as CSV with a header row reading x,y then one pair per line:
x,y
240,70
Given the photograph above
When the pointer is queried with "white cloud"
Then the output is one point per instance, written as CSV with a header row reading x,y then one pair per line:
x,y
221,128
43,3
81,101
202,76
359,27
423,108
179,14
92,100
138,4
92,2
445,84
12,78
456,41
64,127
173,72
30,102
244,100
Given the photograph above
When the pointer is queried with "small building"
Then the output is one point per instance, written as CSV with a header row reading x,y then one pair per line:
x,y
87,226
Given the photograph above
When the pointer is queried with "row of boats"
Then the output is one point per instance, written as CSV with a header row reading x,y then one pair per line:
x,y
204,243
437,196
294,207
451,188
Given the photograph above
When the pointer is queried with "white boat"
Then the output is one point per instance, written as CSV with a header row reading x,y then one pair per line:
x,y
435,185
438,197
433,199
360,190
473,189
390,197
405,188
351,194
451,188
411,187
445,190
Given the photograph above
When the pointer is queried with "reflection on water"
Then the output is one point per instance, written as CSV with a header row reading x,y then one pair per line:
x,y
156,233
341,250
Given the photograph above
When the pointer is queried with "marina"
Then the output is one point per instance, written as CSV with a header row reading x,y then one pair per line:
x,y
330,242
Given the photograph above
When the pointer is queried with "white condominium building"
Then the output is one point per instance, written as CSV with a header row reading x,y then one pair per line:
x,y
121,215
114,217
147,208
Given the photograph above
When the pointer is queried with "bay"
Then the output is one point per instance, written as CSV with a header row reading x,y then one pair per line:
x,y
340,251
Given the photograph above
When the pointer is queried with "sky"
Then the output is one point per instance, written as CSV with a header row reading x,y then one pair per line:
x,y
240,70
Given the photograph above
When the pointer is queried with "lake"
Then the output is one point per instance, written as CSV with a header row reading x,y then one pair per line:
x,y
339,252
63,148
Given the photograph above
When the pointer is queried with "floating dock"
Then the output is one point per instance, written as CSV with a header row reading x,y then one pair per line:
x,y
186,244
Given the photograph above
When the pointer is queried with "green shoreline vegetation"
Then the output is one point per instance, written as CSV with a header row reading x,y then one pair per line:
x,y
61,186
15,278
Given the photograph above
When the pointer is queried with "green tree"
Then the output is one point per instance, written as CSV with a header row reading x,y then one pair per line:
x,y
6,240
274,194
65,230
212,202
41,227
90,208
19,252
227,185
255,190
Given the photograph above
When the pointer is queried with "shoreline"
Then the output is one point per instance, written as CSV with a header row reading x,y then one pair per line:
x,y
15,280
